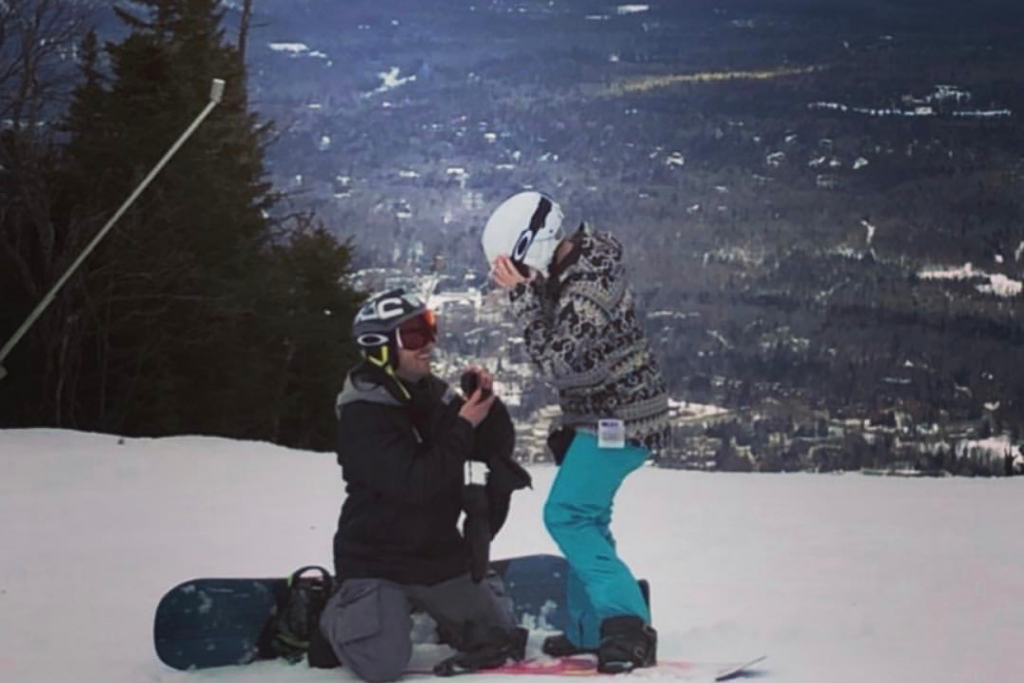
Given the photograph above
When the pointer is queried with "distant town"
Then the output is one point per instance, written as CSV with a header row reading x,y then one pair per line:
x,y
822,211
476,329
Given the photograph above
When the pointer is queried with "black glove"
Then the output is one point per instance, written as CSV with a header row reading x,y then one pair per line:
x,y
495,442
476,528
559,442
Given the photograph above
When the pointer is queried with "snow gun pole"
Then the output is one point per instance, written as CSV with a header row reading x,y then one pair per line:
x,y
216,93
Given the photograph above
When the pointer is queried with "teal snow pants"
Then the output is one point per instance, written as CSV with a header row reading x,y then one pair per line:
x,y
577,514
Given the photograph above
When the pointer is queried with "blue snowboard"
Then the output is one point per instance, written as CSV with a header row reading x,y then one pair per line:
x,y
207,623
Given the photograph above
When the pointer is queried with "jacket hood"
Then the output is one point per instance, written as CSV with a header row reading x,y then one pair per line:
x,y
362,386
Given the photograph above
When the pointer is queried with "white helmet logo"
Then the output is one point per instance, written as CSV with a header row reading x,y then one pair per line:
x,y
371,339
383,309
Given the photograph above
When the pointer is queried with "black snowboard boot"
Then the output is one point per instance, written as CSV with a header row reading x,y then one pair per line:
x,y
499,646
627,643
560,646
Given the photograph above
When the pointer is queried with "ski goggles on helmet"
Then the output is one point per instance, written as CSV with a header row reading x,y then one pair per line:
x,y
417,332
536,244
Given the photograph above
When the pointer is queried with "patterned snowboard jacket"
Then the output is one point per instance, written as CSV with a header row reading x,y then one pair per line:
x,y
581,330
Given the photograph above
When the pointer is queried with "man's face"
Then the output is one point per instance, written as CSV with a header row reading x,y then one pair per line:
x,y
414,365
416,339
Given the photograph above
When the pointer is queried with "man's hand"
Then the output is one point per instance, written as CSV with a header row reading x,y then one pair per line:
x,y
479,403
505,274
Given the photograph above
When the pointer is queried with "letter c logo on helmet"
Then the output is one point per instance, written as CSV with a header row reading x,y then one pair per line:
x,y
386,306
375,323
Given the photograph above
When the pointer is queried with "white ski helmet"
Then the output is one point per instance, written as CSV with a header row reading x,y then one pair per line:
x,y
526,227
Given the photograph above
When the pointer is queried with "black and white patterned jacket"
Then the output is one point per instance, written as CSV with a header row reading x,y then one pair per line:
x,y
581,330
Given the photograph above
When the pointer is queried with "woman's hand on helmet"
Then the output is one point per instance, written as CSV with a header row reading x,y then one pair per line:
x,y
505,274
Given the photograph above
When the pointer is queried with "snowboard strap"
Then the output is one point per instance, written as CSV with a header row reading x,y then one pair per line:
x,y
297,617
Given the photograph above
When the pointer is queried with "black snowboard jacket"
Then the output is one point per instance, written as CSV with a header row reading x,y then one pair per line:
x,y
403,464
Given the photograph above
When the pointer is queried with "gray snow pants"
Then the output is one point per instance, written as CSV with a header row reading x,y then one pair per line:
x,y
368,624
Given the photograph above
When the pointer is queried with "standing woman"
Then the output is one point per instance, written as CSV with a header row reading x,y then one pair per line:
x,y
581,331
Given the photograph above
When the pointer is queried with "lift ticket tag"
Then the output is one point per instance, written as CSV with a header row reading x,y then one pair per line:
x,y
611,434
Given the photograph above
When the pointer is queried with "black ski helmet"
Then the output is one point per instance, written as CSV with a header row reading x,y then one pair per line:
x,y
375,326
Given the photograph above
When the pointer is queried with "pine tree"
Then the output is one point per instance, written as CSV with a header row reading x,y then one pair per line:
x,y
188,327
315,329
164,285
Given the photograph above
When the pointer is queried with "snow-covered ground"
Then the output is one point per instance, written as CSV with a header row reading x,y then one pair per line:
x,y
837,578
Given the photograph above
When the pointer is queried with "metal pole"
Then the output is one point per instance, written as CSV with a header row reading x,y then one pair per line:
x,y
216,94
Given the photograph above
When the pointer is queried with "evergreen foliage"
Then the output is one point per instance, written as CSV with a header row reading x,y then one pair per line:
x,y
198,313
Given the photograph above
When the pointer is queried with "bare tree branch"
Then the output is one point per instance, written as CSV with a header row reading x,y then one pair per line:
x,y
38,47
243,28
